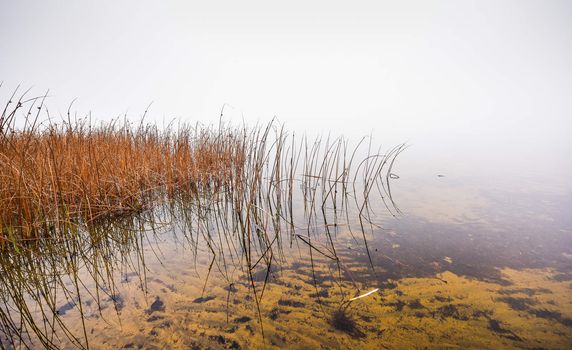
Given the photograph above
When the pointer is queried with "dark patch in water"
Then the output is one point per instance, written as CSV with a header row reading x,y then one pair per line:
x,y
519,304
297,265
482,313
157,305
154,318
275,312
322,293
65,308
232,329
496,327
343,322
450,310
524,304
551,315
366,318
528,291
416,304
292,303
228,343
203,299
398,305
231,288
242,319
118,302
442,299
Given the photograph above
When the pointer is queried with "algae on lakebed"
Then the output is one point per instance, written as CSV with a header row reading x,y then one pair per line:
x,y
533,310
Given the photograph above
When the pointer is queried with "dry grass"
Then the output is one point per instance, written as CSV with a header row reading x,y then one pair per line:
x,y
77,197
55,174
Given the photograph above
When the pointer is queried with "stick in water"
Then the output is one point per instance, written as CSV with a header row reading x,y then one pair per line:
x,y
364,295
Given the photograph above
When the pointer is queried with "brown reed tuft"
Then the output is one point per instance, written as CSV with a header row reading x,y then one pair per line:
x,y
56,174
79,198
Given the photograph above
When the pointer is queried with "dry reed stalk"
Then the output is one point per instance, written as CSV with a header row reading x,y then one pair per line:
x,y
85,195
54,175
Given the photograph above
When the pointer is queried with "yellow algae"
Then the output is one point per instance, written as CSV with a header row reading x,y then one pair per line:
x,y
531,309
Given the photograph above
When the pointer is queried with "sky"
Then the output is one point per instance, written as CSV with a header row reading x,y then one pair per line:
x,y
485,86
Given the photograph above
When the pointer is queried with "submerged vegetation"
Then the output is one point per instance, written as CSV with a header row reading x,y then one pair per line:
x,y
79,202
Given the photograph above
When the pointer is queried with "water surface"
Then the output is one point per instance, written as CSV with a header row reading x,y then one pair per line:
x,y
461,264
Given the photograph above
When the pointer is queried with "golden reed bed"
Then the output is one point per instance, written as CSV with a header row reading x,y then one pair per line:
x,y
53,174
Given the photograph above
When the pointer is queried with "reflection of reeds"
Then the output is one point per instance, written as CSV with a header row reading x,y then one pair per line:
x,y
77,200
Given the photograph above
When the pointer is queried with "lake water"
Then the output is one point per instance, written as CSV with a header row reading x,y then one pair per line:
x,y
464,263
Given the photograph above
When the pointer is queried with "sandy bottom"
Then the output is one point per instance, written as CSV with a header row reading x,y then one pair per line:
x,y
531,309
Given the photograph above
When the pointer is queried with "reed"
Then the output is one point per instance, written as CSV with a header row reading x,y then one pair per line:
x,y
78,198
54,174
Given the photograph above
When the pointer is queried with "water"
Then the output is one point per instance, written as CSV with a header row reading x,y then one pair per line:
x,y
466,264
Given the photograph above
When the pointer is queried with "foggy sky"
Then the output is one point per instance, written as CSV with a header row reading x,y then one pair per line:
x,y
464,82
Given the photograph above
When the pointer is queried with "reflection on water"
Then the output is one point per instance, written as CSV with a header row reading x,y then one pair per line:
x,y
462,267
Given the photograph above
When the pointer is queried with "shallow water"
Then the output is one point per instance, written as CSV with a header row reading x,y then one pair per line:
x,y
463,266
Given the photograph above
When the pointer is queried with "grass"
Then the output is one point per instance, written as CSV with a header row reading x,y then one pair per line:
x,y
56,174
78,200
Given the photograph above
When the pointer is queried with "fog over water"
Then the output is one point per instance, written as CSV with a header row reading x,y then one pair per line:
x,y
466,241
478,89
